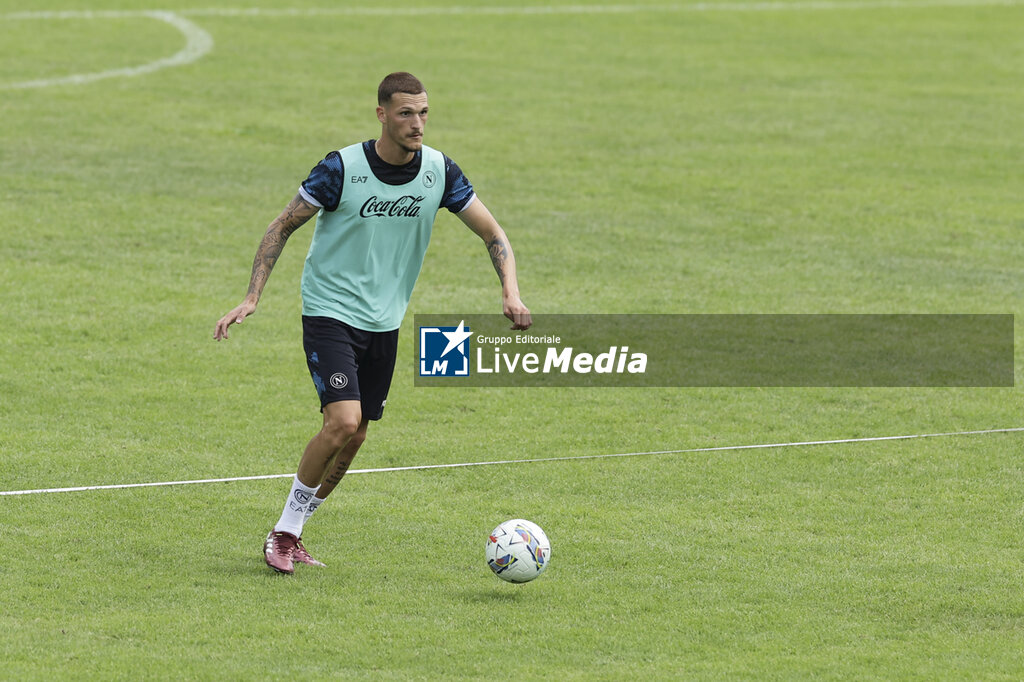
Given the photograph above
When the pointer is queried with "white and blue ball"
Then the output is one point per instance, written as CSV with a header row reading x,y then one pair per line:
x,y
518,551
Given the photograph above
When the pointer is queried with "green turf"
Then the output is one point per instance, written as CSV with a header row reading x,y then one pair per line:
x,y
844,160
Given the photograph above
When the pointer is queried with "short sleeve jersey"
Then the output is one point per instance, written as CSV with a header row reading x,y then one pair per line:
x,y
372,231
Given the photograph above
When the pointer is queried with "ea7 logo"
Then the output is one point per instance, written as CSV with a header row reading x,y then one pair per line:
x,y
444,351
356,179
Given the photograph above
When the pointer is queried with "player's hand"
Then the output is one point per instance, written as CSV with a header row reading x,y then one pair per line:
x,y
518,313
241,311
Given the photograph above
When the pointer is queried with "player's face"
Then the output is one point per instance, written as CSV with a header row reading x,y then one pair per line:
x,y
404,119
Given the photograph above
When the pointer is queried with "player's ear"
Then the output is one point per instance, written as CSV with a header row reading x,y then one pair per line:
x,y
380,114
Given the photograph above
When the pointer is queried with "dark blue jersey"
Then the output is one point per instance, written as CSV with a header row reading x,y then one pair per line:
x,y
324,185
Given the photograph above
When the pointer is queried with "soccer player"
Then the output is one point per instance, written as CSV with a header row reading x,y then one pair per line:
x,y
375,204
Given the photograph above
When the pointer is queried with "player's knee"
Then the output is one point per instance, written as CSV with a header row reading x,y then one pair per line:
x,y
340,429
338,434
357,439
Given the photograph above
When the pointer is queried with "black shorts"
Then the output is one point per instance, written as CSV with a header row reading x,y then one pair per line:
x,y
349,364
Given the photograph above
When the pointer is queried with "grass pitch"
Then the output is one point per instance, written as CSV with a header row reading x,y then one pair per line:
x,y
834,158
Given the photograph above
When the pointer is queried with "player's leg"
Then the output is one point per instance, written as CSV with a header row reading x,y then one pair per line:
x,y
340,464
335,471
331,350
322,454
283,546
342,422
376,368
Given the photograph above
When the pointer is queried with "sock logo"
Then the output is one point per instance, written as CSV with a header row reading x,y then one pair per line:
x,y
302,497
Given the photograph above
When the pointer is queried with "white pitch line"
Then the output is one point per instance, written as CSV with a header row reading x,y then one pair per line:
x,y
422,467
797,5
197,43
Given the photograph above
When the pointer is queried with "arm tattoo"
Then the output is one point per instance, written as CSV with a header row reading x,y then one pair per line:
x,y
499,256
292,218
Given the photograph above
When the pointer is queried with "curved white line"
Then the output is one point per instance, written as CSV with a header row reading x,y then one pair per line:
x,y
197,43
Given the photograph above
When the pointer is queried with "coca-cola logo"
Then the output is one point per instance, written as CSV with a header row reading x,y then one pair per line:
x,y
402,207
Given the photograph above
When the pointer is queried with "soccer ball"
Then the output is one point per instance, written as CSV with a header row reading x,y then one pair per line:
x,y
518,551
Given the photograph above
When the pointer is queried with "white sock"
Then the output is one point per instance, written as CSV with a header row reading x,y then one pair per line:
x,y
312,507
294,512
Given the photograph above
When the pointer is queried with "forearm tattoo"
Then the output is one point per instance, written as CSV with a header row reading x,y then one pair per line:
x,y
292,218
499,256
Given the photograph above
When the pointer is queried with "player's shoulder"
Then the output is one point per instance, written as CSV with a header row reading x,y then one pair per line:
x,y
438,155
330,166
434,154
325,180
350,151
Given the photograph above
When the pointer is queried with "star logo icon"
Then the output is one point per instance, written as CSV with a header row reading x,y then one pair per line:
x,y
444,351
456,338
